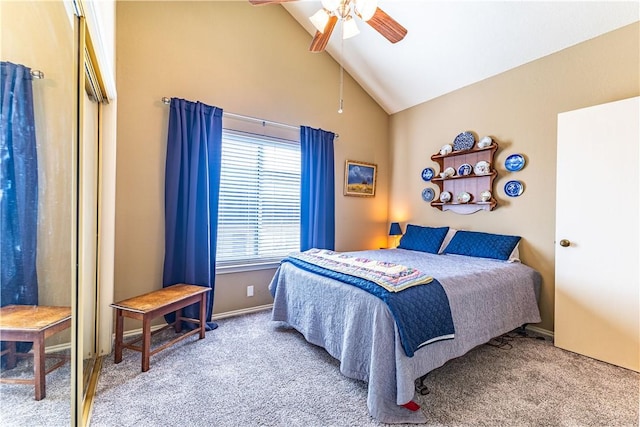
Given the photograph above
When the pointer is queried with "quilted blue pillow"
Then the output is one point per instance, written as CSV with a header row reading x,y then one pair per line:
x,y
482,245
423,239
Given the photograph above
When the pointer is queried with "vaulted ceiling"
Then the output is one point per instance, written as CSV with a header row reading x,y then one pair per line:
x,y
451,44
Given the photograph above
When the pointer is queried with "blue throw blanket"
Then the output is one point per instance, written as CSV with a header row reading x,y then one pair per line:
x,y
422,313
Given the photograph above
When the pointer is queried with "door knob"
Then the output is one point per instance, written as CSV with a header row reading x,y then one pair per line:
x,y
565,243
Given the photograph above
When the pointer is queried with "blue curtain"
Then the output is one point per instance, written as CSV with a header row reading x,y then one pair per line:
x,y
192,186
18,190
317,200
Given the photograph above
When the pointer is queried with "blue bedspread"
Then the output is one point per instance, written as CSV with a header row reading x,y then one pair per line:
x,y
422,313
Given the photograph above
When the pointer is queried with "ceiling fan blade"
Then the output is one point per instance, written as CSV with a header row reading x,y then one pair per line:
x,y
261,2
387,26
320,40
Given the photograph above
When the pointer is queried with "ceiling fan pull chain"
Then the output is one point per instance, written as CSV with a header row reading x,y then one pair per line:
x,y
341,102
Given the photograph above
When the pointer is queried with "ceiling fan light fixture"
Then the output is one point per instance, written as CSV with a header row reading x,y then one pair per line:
x,y
349,28
320,19
366,8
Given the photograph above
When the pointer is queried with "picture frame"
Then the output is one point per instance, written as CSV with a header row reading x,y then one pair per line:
x,y
360,178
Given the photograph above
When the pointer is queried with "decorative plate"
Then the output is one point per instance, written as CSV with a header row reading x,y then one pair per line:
x,y
445,196
465,169
464,197
485,196
463,141
514,162
482,168
428,194
513,188
427,174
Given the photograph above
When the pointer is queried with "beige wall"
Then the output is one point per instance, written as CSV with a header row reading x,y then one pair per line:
x,y
519,110
247,60
40,36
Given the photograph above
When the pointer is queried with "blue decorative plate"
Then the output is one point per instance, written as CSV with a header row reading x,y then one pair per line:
x,y
514,162
428,194
464,141
427,174
465,169
513,188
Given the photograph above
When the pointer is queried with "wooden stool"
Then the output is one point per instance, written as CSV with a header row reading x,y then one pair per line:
x,y
33,323
158,303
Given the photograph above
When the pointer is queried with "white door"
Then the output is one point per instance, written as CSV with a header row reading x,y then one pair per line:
x,y
597,289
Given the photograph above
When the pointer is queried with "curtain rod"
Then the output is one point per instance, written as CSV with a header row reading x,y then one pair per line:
x,y
167,101
37,74
248,118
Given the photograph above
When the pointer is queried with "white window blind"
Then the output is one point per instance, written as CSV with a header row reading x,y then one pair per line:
x,y
259,211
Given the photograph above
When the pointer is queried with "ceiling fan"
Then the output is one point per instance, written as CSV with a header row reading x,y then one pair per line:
x,y
327,17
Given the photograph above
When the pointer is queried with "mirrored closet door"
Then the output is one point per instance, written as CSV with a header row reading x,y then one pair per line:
x,y
38,193
90,105
53,260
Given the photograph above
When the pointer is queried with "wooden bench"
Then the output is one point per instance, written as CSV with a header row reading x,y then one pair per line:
x,y
33,323
158,303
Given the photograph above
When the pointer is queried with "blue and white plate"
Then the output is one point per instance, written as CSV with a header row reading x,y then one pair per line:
x,y
464,141
428,194
465,169
514,162
427,174
513,188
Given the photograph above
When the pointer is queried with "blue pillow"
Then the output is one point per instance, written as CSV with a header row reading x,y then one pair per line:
x,y
423,239
482,245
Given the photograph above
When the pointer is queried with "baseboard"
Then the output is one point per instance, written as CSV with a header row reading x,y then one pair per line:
x,y
133,332
544,332
240,312
58,347
226,314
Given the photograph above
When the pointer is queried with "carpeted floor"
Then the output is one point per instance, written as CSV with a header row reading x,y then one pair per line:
x,y
255,372
18,406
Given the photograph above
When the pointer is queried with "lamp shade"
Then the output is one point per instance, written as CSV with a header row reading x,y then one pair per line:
x,y
395,229
320,19
349,28
330,5
366,8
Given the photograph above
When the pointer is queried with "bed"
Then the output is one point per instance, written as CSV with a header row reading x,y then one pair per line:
x,y
487,297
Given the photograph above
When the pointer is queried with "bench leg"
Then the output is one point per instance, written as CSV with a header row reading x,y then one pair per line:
x,y
146,342
11,354
38,366
177,324
203,313
119,333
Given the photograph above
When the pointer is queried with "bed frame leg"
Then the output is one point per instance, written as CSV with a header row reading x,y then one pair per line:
x,y
521,330
420,386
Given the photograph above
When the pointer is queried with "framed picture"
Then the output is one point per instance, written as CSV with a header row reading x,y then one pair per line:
x,y
360,179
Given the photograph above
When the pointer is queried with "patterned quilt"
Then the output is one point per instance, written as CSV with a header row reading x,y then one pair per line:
x,y
391,276
422,313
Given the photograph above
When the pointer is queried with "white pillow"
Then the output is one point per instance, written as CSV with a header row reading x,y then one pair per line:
x,y
515,254
447,239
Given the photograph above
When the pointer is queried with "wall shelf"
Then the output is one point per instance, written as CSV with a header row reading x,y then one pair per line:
x,y
472,184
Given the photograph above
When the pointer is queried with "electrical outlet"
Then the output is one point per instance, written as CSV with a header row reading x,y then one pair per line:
x,y
250,290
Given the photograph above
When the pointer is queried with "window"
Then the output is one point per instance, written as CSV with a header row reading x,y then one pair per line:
x,y
259,211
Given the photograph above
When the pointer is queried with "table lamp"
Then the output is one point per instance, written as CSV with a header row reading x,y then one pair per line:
x,y
395,230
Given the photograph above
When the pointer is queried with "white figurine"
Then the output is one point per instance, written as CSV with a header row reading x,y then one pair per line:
x,y
446,149
485,142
